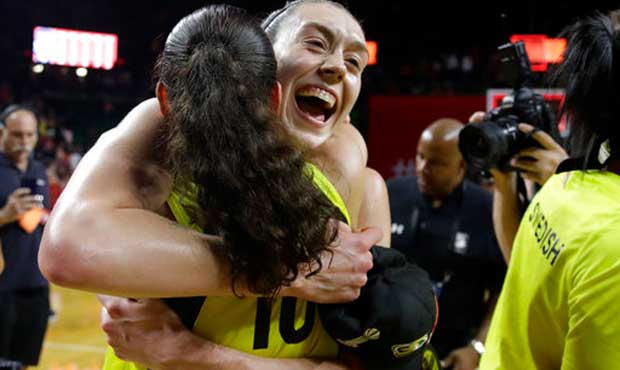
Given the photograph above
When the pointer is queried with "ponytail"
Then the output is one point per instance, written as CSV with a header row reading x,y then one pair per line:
x,y
252,189
590,73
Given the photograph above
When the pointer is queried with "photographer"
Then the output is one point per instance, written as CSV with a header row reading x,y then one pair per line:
x,y
519,156
535,165
558,307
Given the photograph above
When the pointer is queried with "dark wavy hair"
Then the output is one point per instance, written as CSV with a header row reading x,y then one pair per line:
x,y
252,186
590,74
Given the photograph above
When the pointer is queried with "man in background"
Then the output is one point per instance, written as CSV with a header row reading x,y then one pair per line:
x,y
24,292
444,223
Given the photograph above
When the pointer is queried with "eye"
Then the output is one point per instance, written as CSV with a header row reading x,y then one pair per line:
x,y
318,43
354,62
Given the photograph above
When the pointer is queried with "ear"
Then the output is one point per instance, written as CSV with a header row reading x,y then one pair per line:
x,y
162,97
276,98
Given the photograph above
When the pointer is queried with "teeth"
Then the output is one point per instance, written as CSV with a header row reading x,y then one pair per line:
x,y
325,96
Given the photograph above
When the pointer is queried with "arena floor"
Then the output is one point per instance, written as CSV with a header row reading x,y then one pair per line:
x,y
74,340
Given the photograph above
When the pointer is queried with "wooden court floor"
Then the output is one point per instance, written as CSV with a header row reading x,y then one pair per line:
x,y
74,340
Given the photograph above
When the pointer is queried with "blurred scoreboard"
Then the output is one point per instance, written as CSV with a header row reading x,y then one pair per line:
x,y
74,48
541,50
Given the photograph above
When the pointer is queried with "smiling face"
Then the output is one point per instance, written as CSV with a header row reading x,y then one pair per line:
x,y
321,53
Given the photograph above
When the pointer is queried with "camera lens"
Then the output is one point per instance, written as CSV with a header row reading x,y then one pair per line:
x,y
483,144
479,145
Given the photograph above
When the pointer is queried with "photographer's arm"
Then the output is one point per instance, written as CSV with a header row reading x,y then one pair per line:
x,y
506,212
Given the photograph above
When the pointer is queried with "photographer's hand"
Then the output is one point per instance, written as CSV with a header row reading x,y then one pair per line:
x,y
538,164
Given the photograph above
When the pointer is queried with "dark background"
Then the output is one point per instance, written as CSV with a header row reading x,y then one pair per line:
x,y
414,43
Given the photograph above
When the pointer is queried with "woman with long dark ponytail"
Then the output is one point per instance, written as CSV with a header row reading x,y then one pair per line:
x,y
559,305
217,73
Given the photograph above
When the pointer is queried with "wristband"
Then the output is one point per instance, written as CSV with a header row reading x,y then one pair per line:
x,y
478,346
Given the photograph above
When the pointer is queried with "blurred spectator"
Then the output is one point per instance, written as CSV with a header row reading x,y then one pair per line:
x,y
75,157
58,173
24,293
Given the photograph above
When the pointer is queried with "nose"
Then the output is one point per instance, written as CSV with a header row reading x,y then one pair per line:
x,y
334,68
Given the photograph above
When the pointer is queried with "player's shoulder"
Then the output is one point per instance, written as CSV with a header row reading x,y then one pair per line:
x,y
344,153
355,139
347,142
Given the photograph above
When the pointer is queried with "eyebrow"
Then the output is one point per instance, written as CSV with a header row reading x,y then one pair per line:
x,y
357,45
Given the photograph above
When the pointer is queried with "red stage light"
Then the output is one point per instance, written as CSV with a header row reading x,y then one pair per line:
x,y
372,47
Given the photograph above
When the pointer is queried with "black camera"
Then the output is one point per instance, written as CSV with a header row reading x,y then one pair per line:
x,y
493,141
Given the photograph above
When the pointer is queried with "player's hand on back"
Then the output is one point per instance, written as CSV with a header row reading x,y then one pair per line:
x,y
344,268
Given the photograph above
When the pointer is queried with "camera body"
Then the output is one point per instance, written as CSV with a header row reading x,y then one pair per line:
x,y
492,142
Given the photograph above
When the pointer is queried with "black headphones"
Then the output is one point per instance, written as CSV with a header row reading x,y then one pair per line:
x,y
14,108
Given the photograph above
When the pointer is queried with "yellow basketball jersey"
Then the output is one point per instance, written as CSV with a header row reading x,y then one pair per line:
x,y
558,308
282,327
